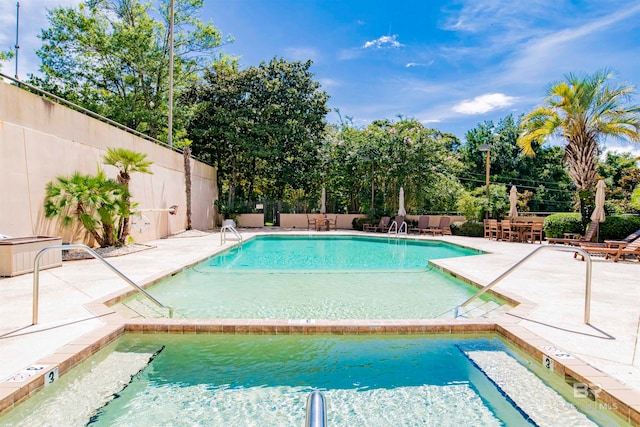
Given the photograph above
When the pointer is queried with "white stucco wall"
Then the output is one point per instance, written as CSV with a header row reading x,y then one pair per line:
x,y
40,140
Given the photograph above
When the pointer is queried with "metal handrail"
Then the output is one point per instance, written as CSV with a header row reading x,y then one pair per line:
x,y
36,277
587,292
398,228
223,231
316,410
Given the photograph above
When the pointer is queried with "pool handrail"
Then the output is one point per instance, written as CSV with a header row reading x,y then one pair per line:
x,y
36,277
229,227
316,410
587,291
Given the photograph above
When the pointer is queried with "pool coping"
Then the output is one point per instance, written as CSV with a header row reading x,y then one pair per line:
x,y
610,393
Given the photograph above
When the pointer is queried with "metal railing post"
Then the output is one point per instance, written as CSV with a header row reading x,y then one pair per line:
x,y
316,410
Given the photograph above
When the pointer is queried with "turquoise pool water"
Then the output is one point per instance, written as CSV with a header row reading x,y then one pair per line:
x,y
339,253
264,380
225,380
282,277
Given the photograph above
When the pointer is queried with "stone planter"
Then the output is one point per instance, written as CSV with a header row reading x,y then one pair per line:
x,y
17,254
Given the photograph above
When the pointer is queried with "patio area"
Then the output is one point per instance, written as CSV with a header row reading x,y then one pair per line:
x,y
550,287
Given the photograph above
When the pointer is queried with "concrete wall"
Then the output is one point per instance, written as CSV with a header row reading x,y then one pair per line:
x,y
40,140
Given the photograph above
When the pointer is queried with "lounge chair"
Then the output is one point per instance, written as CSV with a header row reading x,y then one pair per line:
x,y
382,226
614,243
618,253
444,227
423,225
572,240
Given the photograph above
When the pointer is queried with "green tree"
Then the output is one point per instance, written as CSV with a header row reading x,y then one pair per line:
x,y
127,162
583,109
386,155
112,57
542,177
96,202
262,126
5,56
621,174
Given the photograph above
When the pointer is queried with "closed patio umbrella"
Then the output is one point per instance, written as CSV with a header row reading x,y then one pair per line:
x,y
598,214
323,202
513,200
401,210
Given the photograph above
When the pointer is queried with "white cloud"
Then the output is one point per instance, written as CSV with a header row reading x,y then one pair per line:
x,y
327,83
484,103
302,54
382,42
419,64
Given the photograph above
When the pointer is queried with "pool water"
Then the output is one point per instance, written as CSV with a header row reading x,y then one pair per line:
x,y
278,277
265,380
260,380
338,253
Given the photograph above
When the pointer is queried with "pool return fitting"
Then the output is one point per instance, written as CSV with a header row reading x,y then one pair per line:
x,y
36,277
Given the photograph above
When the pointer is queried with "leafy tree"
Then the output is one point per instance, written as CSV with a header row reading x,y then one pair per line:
x,y
261,126
583,109
5,56
635,198
112,57
127,162
386,155
96,202
542,180
622,175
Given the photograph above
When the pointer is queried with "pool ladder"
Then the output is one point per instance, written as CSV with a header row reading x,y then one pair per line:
x,y
396,228
36,277
229,225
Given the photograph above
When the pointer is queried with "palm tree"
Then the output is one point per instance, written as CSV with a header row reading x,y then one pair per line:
x,y
582,110
127,162
95,201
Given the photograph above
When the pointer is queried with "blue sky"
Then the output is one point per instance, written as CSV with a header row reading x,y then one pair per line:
x,y
448,64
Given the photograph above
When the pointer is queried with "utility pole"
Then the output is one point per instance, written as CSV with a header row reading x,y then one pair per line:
x,y
17,46
170,125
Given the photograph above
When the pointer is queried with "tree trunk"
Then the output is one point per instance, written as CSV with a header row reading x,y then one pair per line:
x,y
186,152
123,231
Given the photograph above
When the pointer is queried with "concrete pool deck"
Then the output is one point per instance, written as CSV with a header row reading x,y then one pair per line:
x,y
551,288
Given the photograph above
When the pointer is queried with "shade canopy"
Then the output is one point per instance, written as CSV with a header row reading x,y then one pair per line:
x,y
513,202
598,214
323,202
401,210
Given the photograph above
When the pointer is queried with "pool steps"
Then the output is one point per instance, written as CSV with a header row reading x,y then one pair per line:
x,y
540,403
77,402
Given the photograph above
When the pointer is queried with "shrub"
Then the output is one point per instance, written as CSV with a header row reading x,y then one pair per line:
x,y
557,224
358,223
467,228
616,227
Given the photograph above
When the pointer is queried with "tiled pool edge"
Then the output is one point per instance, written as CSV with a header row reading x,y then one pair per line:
x,y
612,394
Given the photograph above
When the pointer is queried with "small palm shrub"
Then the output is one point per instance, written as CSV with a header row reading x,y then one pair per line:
x,y
96,202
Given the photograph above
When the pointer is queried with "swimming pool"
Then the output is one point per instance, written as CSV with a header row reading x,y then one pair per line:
x,y
302,277
264,380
